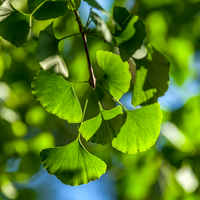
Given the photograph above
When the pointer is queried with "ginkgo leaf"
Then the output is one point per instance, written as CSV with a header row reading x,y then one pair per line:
x,y
152,78
94,4
115,72
74,4
44,10
131,36
14,25
102,27
48,54
72,164
103,128
34,4
57,96
140,130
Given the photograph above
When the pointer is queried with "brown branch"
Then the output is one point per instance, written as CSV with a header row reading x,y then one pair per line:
x,y
92,79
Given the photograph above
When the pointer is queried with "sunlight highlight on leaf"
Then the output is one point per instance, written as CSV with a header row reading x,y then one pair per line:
x,y
152,78
14,25
140,130
102,27
48,54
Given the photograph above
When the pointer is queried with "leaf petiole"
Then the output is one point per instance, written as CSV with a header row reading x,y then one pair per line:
x,y
88,20
113,98
79,82
71,36
37,8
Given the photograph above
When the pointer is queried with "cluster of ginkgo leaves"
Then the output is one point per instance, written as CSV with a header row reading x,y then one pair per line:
x,y
130,131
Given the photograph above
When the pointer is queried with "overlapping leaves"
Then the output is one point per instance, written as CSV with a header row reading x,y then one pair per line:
x,y
104,127
72,164
102,27
47,53
14,25
132,34
152,78
131,131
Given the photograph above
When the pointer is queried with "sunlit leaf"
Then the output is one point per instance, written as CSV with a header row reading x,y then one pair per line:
x,y
103,128
115,72
14,25
102,27
132,33
57,96
140,130
89,127
74,4
48,54
72,164
44,10
152,78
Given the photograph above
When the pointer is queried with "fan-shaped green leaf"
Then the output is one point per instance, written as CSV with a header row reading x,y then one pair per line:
x,y
115,72
72,164
44,10
103,128
14,25
102,27
140,131
57,96
89,127
131,36
152,78
48,54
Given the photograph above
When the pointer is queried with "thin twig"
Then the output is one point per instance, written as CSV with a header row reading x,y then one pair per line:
x,y
92,79
69,36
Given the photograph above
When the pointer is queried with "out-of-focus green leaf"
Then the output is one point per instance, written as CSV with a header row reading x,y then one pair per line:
x,y
152,78
14,25
102,27
116,73
48,54
74,4
51,9
103,128
72,164
43,9
132,33
2,66
140,130
57,96
94,4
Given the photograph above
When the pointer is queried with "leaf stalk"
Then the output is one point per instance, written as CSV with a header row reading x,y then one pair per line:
x,y
92,79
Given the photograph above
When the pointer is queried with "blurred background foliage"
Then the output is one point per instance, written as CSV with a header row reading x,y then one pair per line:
x,y
169,170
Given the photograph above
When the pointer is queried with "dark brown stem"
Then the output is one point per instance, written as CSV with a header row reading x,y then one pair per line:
x,y
92,79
